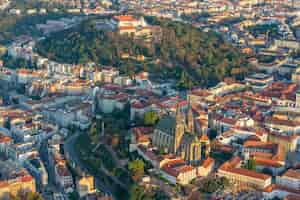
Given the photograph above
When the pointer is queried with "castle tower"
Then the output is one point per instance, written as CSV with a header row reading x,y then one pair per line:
x,y
179,129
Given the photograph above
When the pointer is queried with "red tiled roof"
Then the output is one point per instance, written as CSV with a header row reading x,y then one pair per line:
x,y
4,139
206,163
228,120
261,154
125,18
3,184
232,163
175,167
292,197
249,173
139,105
200,92
127,28
204,137
26,179
267,162
292,173
273,120
273,187
259,144
142,130
235,161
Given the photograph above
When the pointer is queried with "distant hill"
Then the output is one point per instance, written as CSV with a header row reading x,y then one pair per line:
x,y
183,52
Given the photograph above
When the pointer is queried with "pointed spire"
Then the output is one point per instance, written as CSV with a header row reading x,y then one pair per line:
x,y
179,129
190,118
178,112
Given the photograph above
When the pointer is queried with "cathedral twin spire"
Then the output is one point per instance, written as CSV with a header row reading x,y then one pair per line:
x,y
190,119
182,126
190,124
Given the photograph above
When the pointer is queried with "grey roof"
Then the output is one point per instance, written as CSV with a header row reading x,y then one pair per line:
x,y
167,124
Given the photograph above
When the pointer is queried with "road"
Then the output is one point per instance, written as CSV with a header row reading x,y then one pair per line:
x,y
72,156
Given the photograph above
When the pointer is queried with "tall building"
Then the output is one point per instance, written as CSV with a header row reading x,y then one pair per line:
x,y
176,135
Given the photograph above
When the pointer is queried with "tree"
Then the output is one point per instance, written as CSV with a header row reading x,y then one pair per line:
x,y
251,164
160,195
210,185
7,123
136,168
137,193
74,196
212,134
150,118
93,132
185,81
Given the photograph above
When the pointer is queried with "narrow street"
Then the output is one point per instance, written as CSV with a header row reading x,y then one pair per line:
x,y
71,154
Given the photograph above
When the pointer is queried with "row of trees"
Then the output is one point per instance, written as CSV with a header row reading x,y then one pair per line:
x,y
15,63
271,29
12,25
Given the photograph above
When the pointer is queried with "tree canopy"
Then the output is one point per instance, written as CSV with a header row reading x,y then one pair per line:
x,y
182,52
210,185
251,164
138,193
150,118
136,168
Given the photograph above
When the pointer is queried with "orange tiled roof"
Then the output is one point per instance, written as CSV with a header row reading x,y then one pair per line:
x,y
273,187
261,154
232,163
126,28
249,173
26,178
125,18
258,144
173,169
292,173
204,137
206,163
3,184
292,197
267,162
4,139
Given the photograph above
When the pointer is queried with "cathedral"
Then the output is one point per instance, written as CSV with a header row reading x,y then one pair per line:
x,y
177,135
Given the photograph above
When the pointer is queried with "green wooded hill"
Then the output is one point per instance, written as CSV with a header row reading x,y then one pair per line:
x,y
185,53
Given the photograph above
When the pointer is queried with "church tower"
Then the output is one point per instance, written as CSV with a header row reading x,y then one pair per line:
x,y
179,129
194,155
190,120
205,145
